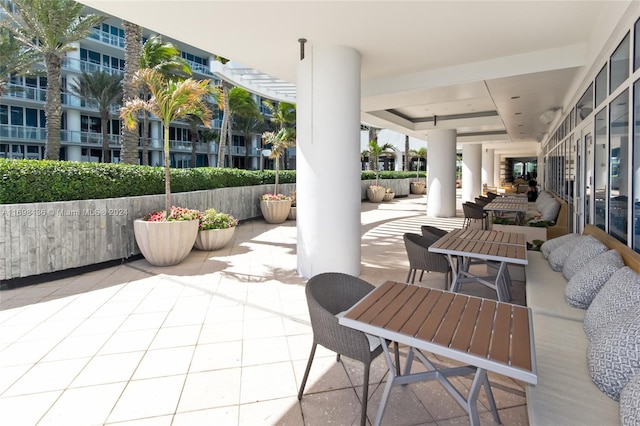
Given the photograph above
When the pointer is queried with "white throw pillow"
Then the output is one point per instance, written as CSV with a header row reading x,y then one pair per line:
x,y
550,245
613,354
619,294
589,248
630,402
559,256
587,282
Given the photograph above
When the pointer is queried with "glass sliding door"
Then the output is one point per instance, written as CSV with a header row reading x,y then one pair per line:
x,y
619,166
601,170
636,166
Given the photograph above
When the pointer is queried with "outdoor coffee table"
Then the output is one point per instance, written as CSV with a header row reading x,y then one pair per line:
x,y
485,334
499,248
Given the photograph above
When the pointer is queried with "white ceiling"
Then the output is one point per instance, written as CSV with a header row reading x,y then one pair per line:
x,y
487,68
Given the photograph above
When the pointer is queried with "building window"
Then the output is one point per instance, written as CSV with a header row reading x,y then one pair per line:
x,y
601,156
584,107
636,44
619,64
619,166
4,114
16,116
90,124
601,86
636,165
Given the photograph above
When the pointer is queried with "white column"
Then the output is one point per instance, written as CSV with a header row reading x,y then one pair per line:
x,y
74,153
441,173
471,171
398,162
496,169
328,185
487,167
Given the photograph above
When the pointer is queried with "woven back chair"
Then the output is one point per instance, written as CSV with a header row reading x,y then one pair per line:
x,y
329,294
421,259
433,231
492,195
475,212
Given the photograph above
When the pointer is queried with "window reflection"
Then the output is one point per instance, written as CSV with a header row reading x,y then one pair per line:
x,y
618,170
600,175
620,64
636,166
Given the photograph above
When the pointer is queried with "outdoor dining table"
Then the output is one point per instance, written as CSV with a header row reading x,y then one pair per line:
x,y
491,247
509,204
485,334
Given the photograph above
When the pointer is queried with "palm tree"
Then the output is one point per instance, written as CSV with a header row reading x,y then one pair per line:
x,y
282,116
407,154
101,90
164,58
49,27
279,141
375,152
421,154
193,120
249,126
132,53
14,58
233,101
241,104
170,100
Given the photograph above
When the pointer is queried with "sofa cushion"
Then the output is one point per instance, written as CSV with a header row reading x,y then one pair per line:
x,y
618,294
559,256
613,353
589,248
630,402
565,394
548,246
587,282
550,210
545,290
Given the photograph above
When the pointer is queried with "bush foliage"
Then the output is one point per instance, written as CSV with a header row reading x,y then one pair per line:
x,y
34,181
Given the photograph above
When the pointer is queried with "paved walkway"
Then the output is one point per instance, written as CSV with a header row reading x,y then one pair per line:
x,y
221,339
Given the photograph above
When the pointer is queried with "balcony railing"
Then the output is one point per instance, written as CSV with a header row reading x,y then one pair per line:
x,y
199,68
88,67
106,38
22,133
25,92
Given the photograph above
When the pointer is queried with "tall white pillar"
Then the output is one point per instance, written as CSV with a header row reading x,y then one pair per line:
x,y
497,158
488,167
441,173
398,160
328,185
74,153
471,171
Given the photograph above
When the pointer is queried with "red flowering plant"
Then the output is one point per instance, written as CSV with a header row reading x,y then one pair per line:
x,y
177,213
274,197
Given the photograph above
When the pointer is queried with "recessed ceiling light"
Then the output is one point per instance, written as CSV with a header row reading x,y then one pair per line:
x,y
520,125
515,97
518,113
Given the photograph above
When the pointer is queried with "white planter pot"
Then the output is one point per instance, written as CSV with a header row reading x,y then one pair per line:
x,y
417,187
275,211
214,239
292,213
375,195
165,243
388,196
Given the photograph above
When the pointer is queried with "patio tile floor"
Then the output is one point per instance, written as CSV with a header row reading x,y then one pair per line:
x,y
221,339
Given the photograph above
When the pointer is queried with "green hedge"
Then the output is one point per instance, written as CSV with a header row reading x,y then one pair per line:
x,y
33,181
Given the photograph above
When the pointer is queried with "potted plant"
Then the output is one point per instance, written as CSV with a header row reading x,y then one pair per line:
x,y
171,99
292,211
275,207
418,186
167,240
388,195
376,193
215,230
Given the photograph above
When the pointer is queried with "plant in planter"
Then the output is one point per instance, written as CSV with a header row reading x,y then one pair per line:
x,y
167,240
171,99
276,207
388,195
418,186
375,193
292,211
215,230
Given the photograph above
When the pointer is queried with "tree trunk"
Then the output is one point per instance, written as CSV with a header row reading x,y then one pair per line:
x,y
407,157
133,50
145,130
106,154
53,107
224,125
167,173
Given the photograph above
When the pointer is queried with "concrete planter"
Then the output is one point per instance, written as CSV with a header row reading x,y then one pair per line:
x,y
376,195
417,187
275,211
165,243
292,213
213,239
388,196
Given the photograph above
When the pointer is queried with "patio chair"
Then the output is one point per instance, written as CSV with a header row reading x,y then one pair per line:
x,y
492,195
482,201
432,230
328,295
475,212
421,259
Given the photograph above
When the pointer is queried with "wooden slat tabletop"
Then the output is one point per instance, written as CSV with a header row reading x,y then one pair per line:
x,y
492,245
493,335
